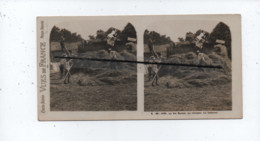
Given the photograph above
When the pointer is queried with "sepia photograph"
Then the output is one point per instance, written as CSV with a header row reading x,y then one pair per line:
x,y
130,70
87,68
139,67
192,66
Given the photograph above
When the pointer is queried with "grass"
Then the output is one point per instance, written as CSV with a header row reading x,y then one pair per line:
x,y
191,89
209,98
100,97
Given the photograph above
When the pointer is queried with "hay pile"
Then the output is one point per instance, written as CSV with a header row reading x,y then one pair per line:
x,y
83,65
106,77
84,80
185,77
91,73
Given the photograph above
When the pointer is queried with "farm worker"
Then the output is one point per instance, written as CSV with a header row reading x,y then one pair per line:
x,y
149,67
112,57
62,64
67,67
150,46
201,59
62,45
155,70
201,56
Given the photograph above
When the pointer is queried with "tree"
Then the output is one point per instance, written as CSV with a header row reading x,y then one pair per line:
x,y
156,37
128,31
190,36
101,34
56,34
91,37
181,39
110,30
222,32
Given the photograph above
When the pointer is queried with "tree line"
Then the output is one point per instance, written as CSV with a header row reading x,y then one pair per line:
x,y
128,31
57,33
220,32
156,37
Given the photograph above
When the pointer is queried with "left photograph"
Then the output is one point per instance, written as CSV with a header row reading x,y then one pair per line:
x,y
89,66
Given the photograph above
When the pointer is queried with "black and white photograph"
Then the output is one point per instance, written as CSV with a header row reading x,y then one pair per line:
x,y
87,68
190,66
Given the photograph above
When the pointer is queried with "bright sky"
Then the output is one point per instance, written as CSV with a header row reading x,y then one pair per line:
x,y
176,29
90,27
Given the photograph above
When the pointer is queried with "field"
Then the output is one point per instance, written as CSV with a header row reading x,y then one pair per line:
x,y
191,88
206,98
95,86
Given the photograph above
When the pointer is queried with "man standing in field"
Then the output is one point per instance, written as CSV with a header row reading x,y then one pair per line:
x,y
62,45
155,70
67,67
150,46
149,68
201,60
112,57
62,64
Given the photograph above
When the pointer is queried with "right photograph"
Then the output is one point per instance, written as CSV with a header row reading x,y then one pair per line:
x,y
188,66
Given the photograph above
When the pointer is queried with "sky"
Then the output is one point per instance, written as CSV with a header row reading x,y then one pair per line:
x,y
90,27
176,29
173,29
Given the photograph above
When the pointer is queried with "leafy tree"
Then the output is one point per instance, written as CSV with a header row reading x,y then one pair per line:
x,y
222,32
91,37
56,34
101,34
157,38
128,31
190,36
181,39
110,30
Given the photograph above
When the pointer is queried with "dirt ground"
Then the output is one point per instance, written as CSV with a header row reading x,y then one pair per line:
x,y
93,97
206,98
